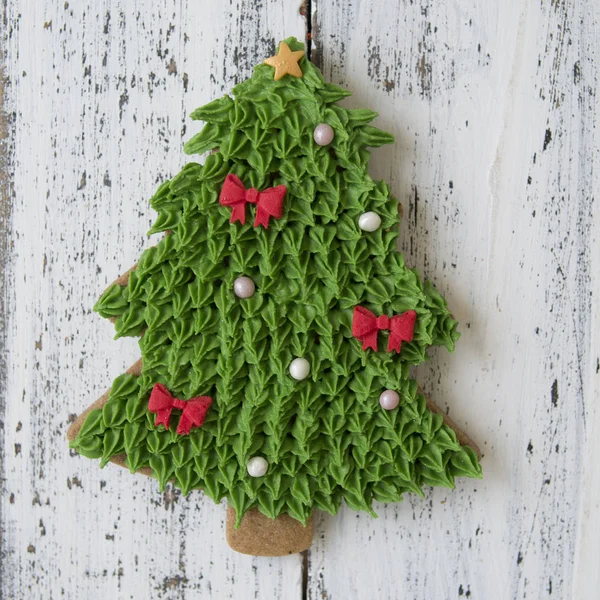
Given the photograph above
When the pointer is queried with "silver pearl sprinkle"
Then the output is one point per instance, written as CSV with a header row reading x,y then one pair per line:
x,y
299,369
257,466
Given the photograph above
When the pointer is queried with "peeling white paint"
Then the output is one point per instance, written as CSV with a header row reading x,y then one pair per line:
x,y
493,106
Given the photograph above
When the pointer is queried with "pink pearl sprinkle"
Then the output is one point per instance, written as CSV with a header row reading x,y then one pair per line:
x,y
389,399
243,287
323,134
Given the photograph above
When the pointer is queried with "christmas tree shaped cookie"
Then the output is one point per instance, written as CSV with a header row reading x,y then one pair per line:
x,y
277,323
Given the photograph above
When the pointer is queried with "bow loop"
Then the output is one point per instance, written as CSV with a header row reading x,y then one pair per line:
x,y
193,413
269,202
365,326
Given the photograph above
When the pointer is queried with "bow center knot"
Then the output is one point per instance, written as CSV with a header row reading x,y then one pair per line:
x,y
252,196
179,404
383,322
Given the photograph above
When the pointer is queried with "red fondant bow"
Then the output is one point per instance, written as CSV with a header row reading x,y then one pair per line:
x,y
162,403
269,202
365,326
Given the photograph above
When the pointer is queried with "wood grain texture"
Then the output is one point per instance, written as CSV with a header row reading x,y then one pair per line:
x,y
100,93
494,110
494,107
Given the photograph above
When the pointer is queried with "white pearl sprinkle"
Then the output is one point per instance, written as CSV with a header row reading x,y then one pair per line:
x,y
257,466
369,221
323,134
243,287
299,368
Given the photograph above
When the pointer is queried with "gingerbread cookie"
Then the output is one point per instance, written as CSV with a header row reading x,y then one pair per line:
x,y
278,323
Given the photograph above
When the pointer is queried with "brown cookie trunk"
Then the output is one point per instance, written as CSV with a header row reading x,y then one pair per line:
x,y
261,536
257,535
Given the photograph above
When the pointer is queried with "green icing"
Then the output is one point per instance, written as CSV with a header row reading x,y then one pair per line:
x,y
325,438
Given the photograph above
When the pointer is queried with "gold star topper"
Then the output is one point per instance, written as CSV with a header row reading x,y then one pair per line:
x,y
286,62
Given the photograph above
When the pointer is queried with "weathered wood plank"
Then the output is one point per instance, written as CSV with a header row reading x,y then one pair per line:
x,y
494,108
100,93
494,111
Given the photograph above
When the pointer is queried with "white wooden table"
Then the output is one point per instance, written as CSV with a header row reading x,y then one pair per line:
x,y
493,105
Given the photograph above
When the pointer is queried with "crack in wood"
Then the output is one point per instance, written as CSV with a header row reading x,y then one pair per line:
x,y
306,13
